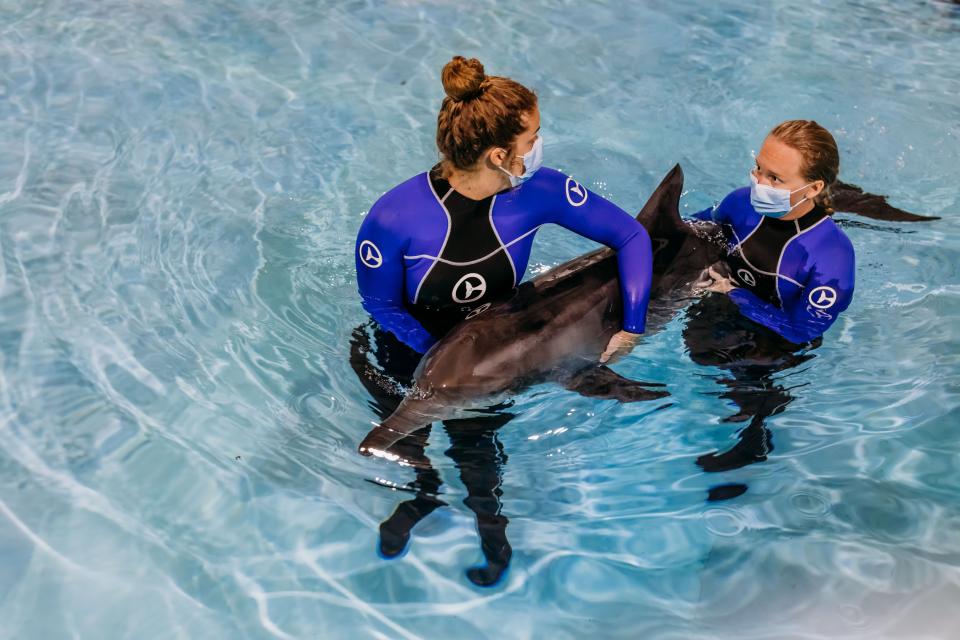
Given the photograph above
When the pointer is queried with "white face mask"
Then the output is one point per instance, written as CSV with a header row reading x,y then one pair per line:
x,y
770,201
532,161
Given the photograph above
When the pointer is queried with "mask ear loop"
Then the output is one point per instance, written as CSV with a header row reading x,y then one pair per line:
x,y
507,171
500,166
802,200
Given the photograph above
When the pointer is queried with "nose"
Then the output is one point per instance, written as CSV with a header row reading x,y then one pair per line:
x,y
761,179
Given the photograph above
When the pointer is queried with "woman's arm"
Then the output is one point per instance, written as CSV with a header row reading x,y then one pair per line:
x,y
719,213
380,278
569,204
705,214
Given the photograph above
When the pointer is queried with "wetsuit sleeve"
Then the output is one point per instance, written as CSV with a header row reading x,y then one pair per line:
x,y
719,213
826,294
380,278
706,214
602,221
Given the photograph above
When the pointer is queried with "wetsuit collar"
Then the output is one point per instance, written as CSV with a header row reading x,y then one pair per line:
x,y
444,189
802,223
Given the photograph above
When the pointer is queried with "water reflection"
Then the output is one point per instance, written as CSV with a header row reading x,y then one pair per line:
x,y
385,367
718,335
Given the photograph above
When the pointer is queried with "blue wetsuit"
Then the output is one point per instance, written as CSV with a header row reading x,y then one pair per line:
x,y
428,257
795,276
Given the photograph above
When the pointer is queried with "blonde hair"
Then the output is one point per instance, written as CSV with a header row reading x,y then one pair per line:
x,y
819,153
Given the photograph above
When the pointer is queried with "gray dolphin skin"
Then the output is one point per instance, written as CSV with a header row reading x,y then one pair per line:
x,y
554,328
853,199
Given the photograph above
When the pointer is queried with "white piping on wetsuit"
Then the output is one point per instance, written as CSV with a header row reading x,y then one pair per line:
x,y
752,231
738,248
416,295
783,251
503,247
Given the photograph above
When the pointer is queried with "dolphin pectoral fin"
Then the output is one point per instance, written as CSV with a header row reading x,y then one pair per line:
x,y
410,420
603,382
381,441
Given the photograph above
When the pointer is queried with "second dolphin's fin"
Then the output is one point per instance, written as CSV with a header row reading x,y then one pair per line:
x,y
603,382
851,198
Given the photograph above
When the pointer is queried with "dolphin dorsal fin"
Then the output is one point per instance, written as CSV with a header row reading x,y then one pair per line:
x,y
661,214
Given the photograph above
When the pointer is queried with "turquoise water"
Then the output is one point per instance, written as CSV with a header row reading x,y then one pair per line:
x,y
180,189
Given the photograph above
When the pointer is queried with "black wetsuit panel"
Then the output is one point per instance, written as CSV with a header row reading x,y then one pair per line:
x,y
482,269
755,261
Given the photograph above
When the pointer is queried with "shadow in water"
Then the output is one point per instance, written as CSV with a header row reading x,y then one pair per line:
x,y
716,334
385,367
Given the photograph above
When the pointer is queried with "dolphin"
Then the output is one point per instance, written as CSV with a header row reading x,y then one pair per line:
x,y
553,327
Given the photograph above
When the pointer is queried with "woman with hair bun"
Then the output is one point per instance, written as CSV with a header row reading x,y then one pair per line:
x,y
439,247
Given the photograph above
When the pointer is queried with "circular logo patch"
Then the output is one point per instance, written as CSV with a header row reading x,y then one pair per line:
x,y
823,297
469,288
370,255
576,194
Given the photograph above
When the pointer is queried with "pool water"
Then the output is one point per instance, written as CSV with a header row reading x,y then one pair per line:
x,y
180,188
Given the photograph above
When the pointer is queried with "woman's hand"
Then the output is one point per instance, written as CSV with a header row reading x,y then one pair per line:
x,y
713,280
620,344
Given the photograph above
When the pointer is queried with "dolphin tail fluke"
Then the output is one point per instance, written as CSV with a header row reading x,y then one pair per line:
x,y
850,198
603,382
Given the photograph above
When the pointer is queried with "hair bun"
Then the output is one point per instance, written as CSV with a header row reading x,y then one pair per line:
x,y
462,78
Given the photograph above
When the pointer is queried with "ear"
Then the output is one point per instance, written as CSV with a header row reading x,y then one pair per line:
x,y
816,189
497,156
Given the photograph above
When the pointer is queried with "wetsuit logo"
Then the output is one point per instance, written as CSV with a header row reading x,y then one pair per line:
x,y
746,277
370,255
576,194
478,311
823,297
469,288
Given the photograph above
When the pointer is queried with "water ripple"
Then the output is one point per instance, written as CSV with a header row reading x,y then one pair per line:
x,y
180,189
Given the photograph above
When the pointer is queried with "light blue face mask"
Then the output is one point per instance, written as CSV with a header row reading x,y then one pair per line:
x,y
532,161
770,201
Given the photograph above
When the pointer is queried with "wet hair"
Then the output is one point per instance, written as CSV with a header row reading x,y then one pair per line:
x,y
818,151
479,112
